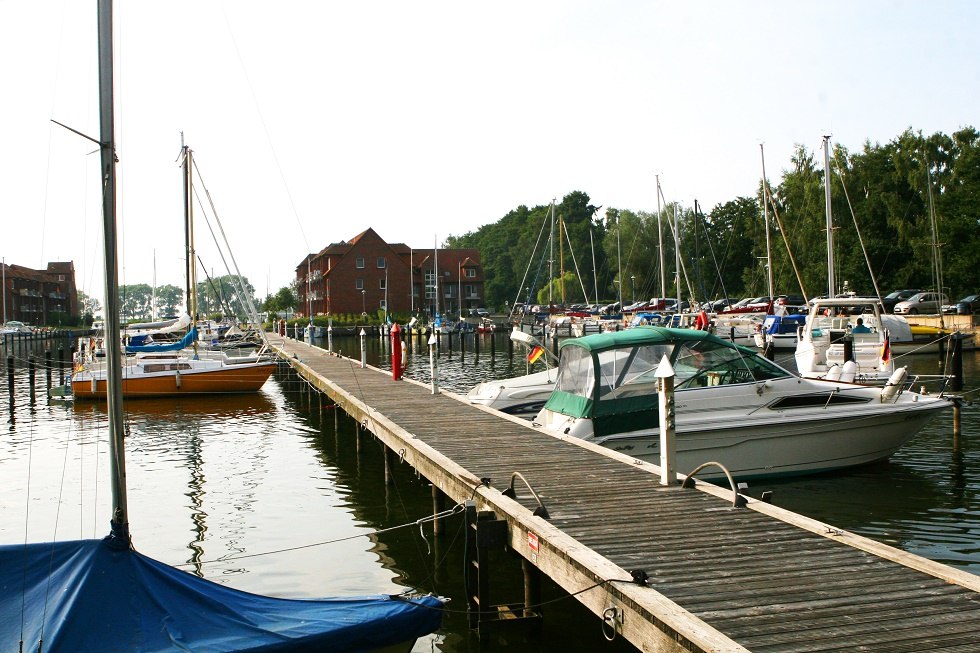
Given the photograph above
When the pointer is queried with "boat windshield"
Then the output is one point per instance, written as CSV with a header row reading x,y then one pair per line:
x,y
706,363
631,371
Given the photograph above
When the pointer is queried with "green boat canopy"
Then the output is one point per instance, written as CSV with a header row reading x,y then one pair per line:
x,y
611,379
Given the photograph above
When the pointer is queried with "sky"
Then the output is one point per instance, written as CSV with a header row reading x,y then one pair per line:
x,y
313,120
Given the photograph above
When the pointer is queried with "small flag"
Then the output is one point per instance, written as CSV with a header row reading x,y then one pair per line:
x,y
535,354
886,351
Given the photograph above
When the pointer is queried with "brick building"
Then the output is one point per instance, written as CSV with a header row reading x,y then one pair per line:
x,y
40,297
366,274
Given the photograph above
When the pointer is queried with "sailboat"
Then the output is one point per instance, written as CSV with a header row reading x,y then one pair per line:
x,y
103,595
163,369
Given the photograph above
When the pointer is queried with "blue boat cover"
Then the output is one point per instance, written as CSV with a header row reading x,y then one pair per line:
x,y
183,343
91,595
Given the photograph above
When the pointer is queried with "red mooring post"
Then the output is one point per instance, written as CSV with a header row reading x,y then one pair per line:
x,y
396,352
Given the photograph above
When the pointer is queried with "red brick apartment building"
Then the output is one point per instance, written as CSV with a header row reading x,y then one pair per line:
x,y
366,274
39,297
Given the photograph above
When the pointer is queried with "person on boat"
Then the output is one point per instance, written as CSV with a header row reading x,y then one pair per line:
x,y
860,328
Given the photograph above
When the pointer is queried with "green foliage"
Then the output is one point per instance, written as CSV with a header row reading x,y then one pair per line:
x,y
895,192
228,294
285,298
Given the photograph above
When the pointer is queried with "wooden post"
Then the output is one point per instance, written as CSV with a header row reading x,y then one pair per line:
x,y
438,505
956,361
47,368
363,348
30,373
10,373
61,365
388,453
434,363
668,443
532,588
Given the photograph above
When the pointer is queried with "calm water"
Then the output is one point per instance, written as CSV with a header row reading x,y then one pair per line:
x,y
224,488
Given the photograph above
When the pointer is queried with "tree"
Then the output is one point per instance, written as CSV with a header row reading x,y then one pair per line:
x,y
169,299
283,300
90,307
226,294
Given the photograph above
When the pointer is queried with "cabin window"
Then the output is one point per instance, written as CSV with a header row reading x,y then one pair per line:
x,y
359,262
817,401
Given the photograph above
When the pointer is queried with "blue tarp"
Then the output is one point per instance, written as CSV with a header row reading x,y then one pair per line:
x,y
183,343
89,595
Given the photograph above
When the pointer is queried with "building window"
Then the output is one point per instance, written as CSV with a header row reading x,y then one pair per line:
x,y
471,273
359,284
381,262
470,291
382,284
383,305
359,262
430,284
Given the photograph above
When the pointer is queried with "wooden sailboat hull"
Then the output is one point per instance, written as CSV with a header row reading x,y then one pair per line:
x,y
233,379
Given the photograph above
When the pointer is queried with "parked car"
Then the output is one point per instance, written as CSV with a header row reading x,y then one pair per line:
x,y
479,312
923,302
792,303
965,306
893,298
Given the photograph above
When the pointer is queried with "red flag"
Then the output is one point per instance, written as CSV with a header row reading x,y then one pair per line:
x,y
886,351
535,354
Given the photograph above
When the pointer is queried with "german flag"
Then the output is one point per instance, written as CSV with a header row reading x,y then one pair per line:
x,y
886,351
535,354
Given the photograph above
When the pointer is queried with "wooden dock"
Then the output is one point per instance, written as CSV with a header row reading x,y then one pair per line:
x,y
721,578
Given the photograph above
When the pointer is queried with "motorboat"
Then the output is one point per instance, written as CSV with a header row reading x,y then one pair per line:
x,y
829,348
779,331
525,395
732,406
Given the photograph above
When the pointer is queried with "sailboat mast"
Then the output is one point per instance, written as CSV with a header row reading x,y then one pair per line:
x,y
765,215
660,245
551,255
561,258
107,145
189,235
3,270
831,283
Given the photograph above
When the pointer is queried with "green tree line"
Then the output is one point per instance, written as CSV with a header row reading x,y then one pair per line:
x,y
906,214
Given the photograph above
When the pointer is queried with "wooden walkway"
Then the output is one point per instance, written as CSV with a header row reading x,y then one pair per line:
x,y
721,579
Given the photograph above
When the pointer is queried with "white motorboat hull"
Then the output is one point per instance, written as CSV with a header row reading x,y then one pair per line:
x,y
783,447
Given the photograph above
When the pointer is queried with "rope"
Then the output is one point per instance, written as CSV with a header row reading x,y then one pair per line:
x,y
457,509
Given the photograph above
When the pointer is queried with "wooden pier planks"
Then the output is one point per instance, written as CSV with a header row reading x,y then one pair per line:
x,y
722,579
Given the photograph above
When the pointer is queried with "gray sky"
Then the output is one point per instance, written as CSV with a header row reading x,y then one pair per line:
x,y
314,120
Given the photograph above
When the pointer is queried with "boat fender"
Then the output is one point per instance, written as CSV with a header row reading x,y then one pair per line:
x,y
404,361
848,372
890,391
177,378
833,374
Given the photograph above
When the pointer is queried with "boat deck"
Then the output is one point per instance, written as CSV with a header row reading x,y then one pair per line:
x,y
758,578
